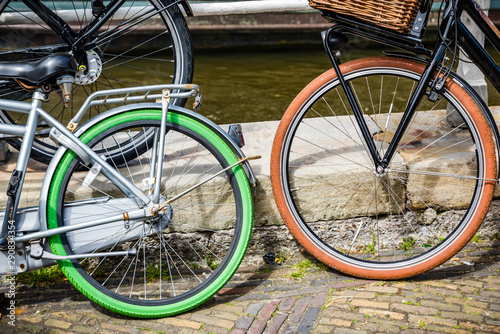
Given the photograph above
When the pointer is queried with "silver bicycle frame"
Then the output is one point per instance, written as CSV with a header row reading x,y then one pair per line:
x,y
83,151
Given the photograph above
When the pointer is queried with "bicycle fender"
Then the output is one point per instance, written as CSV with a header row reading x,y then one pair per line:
x,y
187,8
485,110
203,120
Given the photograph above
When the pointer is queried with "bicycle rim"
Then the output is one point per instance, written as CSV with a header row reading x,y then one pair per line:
x,y
393,223
184,257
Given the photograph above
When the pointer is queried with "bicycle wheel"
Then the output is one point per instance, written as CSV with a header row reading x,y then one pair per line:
x,y
143,43
382,224
186,254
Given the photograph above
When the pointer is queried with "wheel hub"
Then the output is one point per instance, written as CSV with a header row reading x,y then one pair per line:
x,y
381,171
93,70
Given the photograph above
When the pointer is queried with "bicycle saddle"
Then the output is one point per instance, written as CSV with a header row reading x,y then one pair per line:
x,y
41,71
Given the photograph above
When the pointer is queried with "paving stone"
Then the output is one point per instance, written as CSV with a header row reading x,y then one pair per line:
x,y
376,327
388,315
33,320
118,328
368,303
308,320
381,289
268,310
84,329
287,304
205,319
462,301
318,300
58,323
238,331
228,308
414,309
335,322
245,322
275,324
432,320
290,329
211,329
180,323
462,316
440,291
254,309
257,327
227,316
349,331
441,285
440,329
440,306
299,309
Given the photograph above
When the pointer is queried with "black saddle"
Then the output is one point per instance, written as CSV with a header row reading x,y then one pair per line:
x,y
41,71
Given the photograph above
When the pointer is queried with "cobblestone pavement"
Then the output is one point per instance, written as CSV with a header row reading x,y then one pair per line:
x,y
462,296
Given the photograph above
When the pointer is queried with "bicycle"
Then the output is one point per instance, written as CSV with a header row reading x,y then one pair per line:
x,y
132,244
110,40
385,167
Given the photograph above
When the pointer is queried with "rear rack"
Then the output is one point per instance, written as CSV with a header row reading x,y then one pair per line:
x,y
131,94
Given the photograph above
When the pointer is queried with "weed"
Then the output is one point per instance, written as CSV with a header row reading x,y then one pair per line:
x,y
476,238
422,324
407,244
280,259
368,316
209,259
370,248
194,265
155,272
300,269
43,276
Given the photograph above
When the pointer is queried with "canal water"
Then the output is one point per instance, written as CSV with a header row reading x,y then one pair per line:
x,y
251,87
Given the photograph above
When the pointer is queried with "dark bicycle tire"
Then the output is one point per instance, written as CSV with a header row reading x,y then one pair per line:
x,y
399,222
161,55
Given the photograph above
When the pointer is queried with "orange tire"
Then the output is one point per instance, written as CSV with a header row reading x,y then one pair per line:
x,y
399,220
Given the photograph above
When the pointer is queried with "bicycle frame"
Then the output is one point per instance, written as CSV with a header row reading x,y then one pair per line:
x,y
465,40
71,141
101,14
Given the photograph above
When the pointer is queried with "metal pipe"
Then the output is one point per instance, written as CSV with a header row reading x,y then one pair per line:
x,y
199,9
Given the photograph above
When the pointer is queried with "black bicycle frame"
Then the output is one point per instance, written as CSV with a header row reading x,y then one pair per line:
x,y
465,40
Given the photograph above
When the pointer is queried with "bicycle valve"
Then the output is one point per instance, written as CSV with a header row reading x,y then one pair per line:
x,y
65,83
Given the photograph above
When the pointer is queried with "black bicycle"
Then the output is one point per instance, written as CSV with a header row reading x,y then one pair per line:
x,y
385,167
116,43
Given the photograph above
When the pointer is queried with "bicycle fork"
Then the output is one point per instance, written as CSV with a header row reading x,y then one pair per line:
x,y
334,41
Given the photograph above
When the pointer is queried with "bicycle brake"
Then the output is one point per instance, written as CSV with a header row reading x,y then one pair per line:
x,y
436,89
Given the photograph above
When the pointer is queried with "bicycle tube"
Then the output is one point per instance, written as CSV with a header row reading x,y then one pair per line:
x,y
170,303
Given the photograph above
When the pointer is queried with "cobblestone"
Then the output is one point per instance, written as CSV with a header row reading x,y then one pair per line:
x,y
322,302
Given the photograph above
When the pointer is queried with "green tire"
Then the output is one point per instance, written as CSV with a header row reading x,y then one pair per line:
x,y
161,307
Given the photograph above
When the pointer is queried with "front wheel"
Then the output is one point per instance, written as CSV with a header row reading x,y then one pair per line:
x,y
382,223
178,259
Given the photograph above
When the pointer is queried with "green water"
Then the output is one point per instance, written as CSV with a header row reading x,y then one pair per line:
x,y
251,87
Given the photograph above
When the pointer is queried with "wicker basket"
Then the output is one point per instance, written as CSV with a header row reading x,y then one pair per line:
x,y
397,15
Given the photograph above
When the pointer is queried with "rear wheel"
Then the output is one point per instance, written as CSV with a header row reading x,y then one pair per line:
x,y
389,222
143,43
183,256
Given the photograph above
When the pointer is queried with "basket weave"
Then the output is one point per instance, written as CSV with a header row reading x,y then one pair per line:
x,y
396,15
